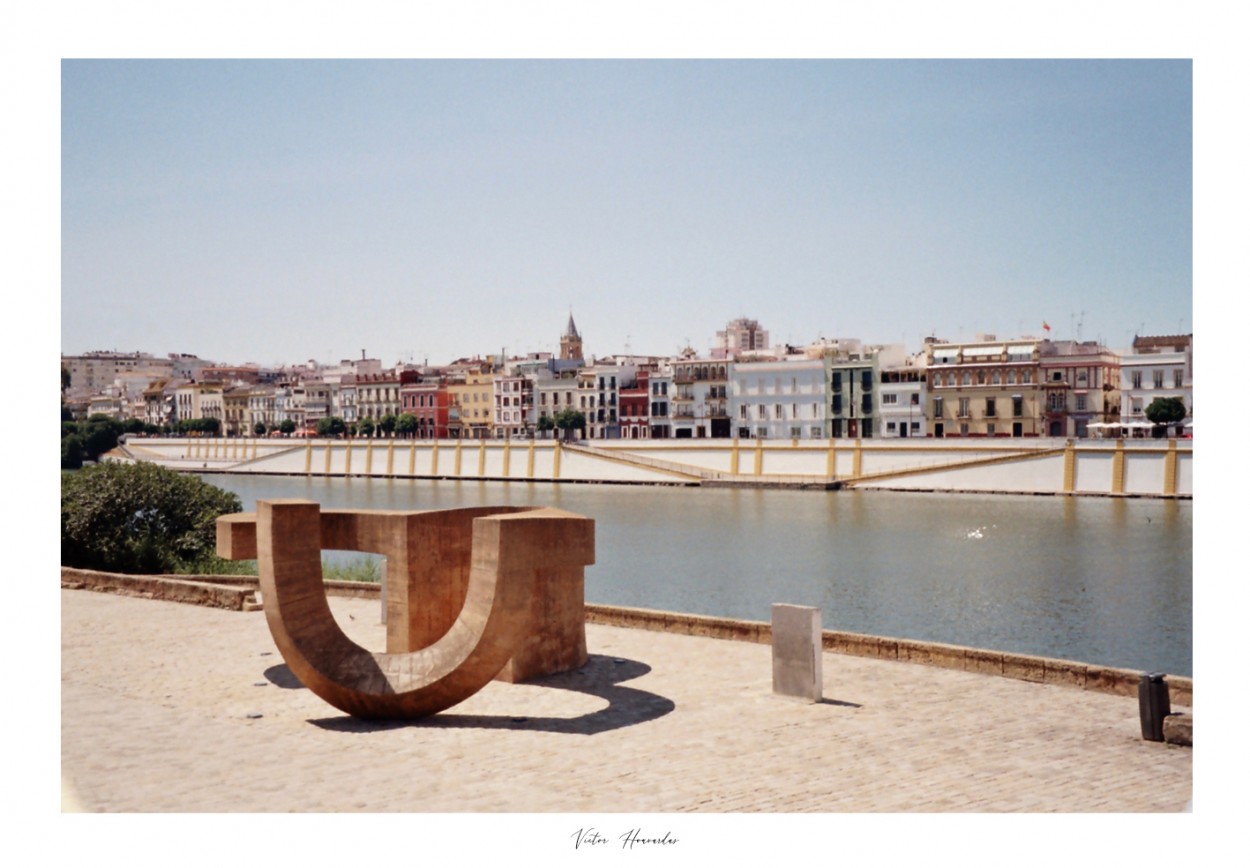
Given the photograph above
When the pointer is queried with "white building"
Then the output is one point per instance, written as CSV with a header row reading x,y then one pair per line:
x,y
778,399
903,394
1156,367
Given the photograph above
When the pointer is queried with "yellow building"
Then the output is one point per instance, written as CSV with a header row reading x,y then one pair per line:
x,y
989,388
472,405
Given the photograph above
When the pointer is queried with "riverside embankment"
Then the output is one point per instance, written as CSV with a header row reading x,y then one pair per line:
x,y
1133,468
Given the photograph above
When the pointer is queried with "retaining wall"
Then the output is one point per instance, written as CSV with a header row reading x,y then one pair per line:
x,y
240,593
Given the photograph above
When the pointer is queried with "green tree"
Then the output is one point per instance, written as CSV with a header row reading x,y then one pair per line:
x,y
365,427
570,420
387,423
1166,411
140,518
331,426
259,429
65,380
405,424
100,434
546,424
132,426
287,426
72,452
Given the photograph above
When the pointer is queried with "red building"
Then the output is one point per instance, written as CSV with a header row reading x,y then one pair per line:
x,y
635,402
430,402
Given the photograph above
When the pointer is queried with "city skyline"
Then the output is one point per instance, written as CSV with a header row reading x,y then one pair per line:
x,y
278,211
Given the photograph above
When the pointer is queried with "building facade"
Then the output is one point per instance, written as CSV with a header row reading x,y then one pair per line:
x,y
988,388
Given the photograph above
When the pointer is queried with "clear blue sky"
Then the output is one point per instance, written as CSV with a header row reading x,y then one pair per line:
x,y
276,211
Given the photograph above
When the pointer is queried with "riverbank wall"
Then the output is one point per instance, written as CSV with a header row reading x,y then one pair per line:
x,y
1115,468
241,593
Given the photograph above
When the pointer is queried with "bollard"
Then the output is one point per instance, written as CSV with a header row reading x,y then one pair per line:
x,y
1152,699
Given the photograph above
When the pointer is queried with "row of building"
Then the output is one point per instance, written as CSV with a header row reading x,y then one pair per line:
x,y
743,387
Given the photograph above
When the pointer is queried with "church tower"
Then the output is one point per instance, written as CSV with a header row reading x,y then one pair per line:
x,y
571,342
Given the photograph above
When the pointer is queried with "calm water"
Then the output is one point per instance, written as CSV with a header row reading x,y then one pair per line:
x,y
1098,580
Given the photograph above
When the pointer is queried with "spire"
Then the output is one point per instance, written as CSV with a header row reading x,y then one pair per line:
x,y
571,341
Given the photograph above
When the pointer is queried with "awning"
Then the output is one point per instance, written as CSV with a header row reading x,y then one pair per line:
x,y
984,351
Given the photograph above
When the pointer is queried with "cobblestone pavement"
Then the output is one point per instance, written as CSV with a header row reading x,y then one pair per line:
x,y
171,707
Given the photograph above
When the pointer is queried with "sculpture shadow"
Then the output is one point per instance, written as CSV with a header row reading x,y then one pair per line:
x,y
282,676
601,676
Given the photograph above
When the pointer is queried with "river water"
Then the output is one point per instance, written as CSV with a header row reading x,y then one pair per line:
x,y
1098,580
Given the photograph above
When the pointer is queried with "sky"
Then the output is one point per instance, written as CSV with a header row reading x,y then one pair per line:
x,y
425,210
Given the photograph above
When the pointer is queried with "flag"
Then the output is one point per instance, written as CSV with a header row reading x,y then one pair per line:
x,y
1045,325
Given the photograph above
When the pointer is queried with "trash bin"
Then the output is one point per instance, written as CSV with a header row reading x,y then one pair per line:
x,y
1152,699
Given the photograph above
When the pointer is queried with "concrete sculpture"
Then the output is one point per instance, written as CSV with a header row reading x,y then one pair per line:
x,y
472,595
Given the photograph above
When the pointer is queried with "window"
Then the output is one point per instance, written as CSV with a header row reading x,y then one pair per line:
x,y
937,408
1178,378
1017,406
1136,379
997,378
889,399
989,428
1082,377
866,404
989,408
1011,378
837,382
1080,403
963,408
980,378
1158,377
915,399
889,427
967,379
866,380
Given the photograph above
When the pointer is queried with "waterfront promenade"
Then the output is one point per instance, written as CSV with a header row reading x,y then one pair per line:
x,y
167,707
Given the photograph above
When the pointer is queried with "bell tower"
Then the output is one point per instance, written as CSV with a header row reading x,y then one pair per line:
x,y
571,342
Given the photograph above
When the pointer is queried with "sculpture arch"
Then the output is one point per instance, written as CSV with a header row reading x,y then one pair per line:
x,y
510,576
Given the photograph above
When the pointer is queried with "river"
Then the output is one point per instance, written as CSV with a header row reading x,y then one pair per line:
x,y
1098,580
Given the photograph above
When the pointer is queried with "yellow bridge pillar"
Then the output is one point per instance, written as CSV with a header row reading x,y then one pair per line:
x,y
857,459
308,458
1170,467
1117,469
733,457
1069,468
556,461
434,459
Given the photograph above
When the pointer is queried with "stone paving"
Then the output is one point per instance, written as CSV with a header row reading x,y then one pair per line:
x,y
167,707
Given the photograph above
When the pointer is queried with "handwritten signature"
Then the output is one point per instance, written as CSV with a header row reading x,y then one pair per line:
x,y
592,837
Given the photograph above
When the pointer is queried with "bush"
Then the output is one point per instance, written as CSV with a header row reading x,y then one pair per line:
x,y
140,518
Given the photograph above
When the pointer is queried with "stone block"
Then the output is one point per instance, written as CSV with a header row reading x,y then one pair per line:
x,y
1024,667
797,646
1064,673
983,661
1178,729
